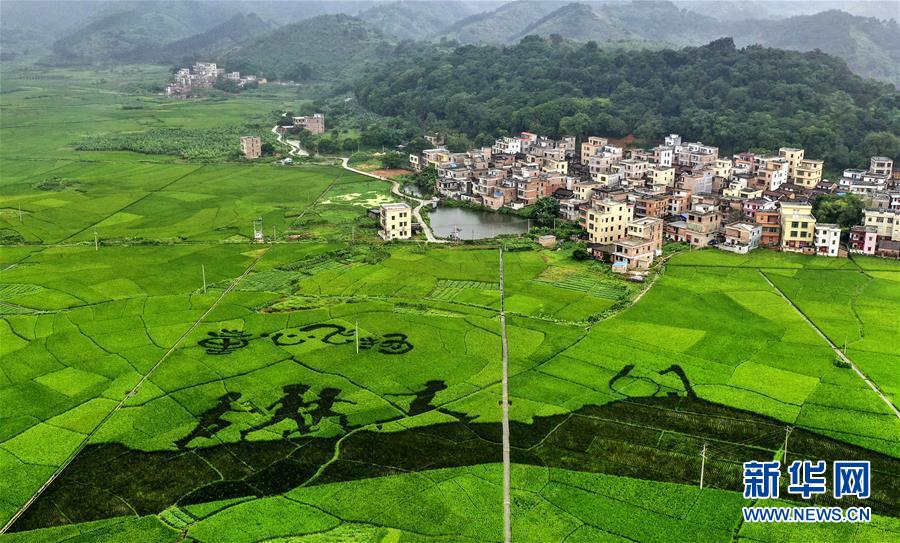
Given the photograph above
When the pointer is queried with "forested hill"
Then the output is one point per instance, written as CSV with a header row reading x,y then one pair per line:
x,y
325,47
750,98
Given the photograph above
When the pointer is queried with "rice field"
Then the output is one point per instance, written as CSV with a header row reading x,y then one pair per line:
x,y
184,383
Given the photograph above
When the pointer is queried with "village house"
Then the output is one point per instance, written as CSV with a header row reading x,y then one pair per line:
x,y
315,123
827,239
769,221
606,220
863,239
801,171
251,147
641,244
798,227
741,237
396,221
738,203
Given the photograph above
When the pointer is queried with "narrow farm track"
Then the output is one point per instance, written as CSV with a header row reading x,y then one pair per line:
x,y
504,403
147,375
296,150
834,347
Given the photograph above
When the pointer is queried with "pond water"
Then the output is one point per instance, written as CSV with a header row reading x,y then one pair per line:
x,y
414,190
474,224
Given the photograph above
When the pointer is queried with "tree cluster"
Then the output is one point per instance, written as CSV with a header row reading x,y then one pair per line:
x,y
753,98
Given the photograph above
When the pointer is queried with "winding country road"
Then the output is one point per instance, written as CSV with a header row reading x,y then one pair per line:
x,y
296,150
395,189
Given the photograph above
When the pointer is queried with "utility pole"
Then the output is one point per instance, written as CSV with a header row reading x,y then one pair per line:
x,y
203,271
96,241
787,434
20,214
702,465
353,234
357,336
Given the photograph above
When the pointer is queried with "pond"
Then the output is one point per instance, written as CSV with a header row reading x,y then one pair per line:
x,y
414,190
473,224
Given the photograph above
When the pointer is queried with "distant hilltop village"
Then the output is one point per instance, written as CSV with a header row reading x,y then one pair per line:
x,y
628,200
205,75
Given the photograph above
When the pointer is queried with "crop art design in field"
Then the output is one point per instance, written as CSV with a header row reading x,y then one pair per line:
x,y
631,383
225,341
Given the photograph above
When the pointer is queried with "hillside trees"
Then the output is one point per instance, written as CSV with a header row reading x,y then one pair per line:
x,y
737,99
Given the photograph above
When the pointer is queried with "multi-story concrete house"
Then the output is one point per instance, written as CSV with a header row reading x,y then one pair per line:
x,y
881,165
606,220
651,205
885,221
696,155
827,239
741,237
696,181
530,189
887,200
634,169
770,172
723,168
251,147
750,207
678,201
439,156
769,221
641,244
315,123
396,221
602,163
863,240
798,227
703,224
507,146
661,175
802,171
591,147
663,156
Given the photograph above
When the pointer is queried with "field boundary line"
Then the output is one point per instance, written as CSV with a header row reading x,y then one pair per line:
x,y
504,403
834,347
147,375
129,204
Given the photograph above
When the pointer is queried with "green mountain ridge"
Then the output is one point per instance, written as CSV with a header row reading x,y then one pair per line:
x,y
417,20
221,38
127,32
324,47
870,46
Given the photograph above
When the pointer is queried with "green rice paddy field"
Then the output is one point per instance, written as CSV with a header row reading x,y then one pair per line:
x,y
329,387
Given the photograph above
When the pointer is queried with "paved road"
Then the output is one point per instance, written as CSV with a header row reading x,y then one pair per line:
x,y
296,150
504,403
395,189
834,347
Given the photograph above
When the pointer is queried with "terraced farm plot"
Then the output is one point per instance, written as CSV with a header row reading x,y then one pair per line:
x,y
587,282
449,289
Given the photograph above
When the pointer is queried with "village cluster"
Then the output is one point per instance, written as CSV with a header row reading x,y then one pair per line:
x,y
204,75
629,200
